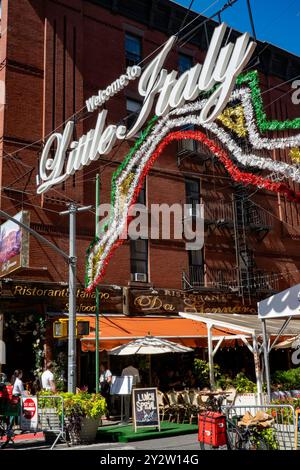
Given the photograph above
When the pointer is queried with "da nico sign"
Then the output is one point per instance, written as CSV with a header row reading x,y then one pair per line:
x,y
145,408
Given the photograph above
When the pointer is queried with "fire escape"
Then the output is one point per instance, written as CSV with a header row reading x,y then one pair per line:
x,y
243,221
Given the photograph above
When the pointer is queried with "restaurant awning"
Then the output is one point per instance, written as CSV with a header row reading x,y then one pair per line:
x,y
250,324
117,330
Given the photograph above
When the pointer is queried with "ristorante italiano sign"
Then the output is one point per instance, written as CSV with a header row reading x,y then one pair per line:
x,y
161,91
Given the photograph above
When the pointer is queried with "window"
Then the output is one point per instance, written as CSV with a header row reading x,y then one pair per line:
x,y
185,62
195,257
133,49
192,191
139,248
196,267
133,108
139,257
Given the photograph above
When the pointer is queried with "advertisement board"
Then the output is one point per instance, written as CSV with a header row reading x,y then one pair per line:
x,y
14,245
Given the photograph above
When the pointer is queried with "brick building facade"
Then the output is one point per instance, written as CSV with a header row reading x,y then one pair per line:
x,y
54,55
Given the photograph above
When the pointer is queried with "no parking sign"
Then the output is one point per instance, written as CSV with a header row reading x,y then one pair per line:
x,y
29,414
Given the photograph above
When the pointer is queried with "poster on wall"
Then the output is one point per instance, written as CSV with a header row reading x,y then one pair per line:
x,y
145,408
14,245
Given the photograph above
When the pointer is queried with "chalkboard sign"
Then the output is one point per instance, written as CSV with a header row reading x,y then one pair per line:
x,y
145,408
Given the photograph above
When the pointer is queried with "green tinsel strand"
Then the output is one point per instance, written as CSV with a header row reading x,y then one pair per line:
x,y
120,168
262,122
126,160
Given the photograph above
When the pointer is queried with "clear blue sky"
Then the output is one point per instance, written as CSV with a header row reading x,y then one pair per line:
x,y
276,21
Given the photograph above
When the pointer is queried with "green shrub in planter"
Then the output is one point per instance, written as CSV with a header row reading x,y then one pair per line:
x,y
201,371
77,407
287,379
244,385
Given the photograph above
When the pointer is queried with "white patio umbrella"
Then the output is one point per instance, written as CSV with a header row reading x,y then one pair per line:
x,y
149,345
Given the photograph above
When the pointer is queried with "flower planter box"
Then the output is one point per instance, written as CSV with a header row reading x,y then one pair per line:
x,y
87,433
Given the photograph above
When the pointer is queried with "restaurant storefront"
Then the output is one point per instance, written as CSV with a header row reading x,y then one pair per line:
x,y
125,313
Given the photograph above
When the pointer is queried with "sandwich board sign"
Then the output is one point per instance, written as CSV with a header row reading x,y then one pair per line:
x,y
121,385
145,408
282,305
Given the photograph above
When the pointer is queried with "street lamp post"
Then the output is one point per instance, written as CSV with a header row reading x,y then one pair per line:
x,y
72,366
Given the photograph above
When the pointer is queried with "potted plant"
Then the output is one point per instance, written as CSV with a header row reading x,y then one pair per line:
x,y
83,413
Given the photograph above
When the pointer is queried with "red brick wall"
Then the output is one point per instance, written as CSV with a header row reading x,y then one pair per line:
x,y
59,54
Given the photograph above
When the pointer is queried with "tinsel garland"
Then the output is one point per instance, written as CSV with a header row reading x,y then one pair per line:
x,y
251,79
234,119
236,174
295,155
139,159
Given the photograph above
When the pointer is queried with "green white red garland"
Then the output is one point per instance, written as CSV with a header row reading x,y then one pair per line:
x,y
154,140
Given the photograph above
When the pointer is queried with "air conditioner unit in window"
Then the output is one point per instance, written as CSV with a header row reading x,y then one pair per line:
x,y
186,146
140,277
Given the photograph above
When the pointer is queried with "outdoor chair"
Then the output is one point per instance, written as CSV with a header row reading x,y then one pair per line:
x,y
196,405
164,407
186,402
176,408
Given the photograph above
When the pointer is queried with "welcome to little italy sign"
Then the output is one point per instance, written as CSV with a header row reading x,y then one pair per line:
x,y
157,87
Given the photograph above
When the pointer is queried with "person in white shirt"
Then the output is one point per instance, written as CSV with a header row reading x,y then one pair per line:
x,y
47,378
18,386
132,371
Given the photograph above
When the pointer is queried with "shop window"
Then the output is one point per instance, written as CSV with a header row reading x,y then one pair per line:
x,y
133,49
139,259
196,267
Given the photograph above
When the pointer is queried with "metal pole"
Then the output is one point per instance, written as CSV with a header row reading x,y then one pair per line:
x,y
72,301
72,372
1,339
257,369
266,356
97,289
251,18
210,357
